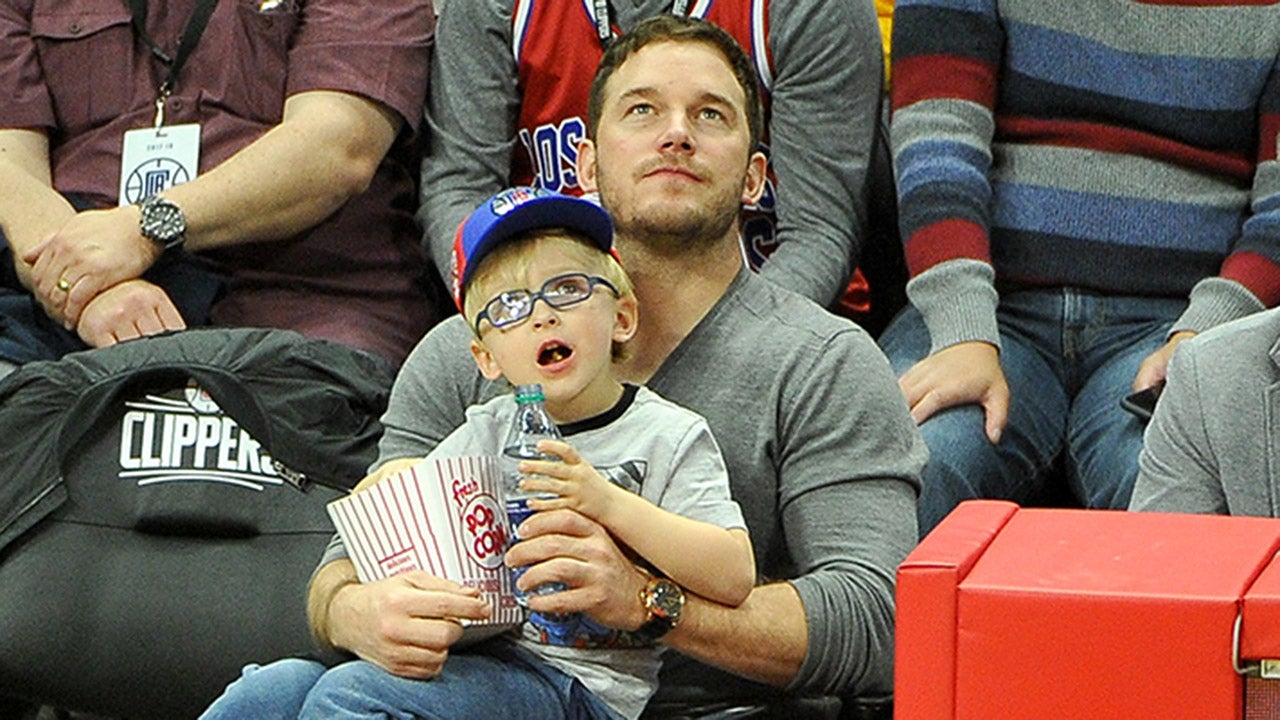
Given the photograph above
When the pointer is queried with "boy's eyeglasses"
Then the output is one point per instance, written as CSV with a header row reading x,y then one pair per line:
x,y
561,291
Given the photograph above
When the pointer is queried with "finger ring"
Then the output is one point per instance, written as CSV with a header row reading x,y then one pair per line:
x,y
64,284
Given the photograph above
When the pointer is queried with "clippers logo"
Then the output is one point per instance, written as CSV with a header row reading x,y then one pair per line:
x,y
165,440
154,176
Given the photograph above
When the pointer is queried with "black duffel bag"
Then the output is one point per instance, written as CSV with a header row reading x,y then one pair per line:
x,y
162,505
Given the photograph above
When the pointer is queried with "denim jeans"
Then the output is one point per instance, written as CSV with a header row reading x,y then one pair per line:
x,y
1069,357
498,681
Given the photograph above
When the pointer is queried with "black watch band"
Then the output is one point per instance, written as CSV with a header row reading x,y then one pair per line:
x,y
654,628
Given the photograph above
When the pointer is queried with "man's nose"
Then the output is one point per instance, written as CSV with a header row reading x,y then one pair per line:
x,y
677,136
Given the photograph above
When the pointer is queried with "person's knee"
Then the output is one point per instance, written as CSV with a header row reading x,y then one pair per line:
x,y
964,465
959,449
269,691
348,690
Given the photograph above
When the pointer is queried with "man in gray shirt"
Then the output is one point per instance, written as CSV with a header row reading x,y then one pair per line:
x,y
508,89
823,456
1211,445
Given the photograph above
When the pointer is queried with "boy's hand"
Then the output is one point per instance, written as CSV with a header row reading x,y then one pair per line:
x,y
385,470
573,479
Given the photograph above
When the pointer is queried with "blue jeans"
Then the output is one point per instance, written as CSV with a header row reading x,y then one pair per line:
x,y
1069,357
495,679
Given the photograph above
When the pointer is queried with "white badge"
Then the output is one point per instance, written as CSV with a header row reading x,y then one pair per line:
x,y
156,159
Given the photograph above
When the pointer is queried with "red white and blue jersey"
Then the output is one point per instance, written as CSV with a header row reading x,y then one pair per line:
x,y
557,49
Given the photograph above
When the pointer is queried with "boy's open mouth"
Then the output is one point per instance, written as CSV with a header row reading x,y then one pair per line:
x,y
554,353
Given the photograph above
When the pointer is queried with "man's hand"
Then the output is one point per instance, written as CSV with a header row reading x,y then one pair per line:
x,y
564,546
93,251
404,624
134,308
967,372
1153,368
577,485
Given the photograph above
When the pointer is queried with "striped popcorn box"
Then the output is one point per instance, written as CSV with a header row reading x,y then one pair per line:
x,y
443,516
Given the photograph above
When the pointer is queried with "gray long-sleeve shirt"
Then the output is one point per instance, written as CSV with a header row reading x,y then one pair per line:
x,y
825,99
822,453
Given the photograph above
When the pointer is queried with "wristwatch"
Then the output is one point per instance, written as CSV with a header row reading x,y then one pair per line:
x,y
665,602
162,222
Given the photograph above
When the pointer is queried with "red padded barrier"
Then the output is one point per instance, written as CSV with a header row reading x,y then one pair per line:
x,y
1048,613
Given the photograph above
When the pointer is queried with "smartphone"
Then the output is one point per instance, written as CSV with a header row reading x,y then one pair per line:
x,y
1143,402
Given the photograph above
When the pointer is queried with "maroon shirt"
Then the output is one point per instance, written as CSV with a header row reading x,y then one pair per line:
x,y
77,69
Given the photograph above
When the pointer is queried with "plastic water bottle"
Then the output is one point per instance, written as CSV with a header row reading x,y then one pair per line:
x,y
531,424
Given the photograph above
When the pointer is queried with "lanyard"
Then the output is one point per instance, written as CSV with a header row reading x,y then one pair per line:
x,y
190,37
604,18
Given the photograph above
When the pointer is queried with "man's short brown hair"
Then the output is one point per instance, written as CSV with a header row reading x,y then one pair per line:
x,y
677,28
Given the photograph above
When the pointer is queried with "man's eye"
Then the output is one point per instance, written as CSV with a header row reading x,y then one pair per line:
x,y
640,109
711,114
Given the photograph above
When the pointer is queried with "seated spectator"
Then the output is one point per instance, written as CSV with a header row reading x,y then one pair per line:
x,y
519,240
825,470
1080,190
1211,444
294,148
507,105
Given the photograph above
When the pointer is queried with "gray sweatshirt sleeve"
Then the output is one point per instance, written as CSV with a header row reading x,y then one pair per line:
x,y
848,494
472,107
826,100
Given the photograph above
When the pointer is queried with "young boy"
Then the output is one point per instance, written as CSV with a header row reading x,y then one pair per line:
x,y
536,279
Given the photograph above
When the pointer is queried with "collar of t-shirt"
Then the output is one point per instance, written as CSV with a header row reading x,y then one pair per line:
x,y
598,421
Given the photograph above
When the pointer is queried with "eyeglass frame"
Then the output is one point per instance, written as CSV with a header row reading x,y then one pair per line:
x,y
541,294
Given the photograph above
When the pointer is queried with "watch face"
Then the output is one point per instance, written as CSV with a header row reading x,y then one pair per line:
x,y
666,599
162,221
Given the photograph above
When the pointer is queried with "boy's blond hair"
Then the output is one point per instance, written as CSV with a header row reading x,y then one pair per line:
x,y
504,267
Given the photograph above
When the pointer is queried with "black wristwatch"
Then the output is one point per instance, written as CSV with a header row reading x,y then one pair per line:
x,y
162,222
665,602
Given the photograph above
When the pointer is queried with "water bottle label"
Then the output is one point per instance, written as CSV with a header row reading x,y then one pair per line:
x,y
573,630
518,511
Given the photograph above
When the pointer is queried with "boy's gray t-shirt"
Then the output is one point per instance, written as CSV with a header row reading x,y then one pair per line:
x,y
648,445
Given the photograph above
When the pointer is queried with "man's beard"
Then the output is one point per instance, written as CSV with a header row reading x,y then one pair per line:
x,y
672,229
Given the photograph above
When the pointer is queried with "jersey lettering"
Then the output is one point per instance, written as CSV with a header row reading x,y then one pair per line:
x,y
553,153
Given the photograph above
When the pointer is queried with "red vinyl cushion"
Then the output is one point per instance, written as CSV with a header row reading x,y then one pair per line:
x,y
1075,614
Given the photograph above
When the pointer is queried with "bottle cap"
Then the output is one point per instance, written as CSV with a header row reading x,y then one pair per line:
x,y
529,393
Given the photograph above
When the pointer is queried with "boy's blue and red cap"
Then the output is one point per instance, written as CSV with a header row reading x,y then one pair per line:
x,y
518,210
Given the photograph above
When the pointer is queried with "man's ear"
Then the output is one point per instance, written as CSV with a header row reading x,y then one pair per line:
x,y
757,176
587,166
625,319
484,360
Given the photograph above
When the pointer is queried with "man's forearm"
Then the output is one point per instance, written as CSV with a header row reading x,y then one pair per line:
x,y
325,151
28,214
30,208
731,638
